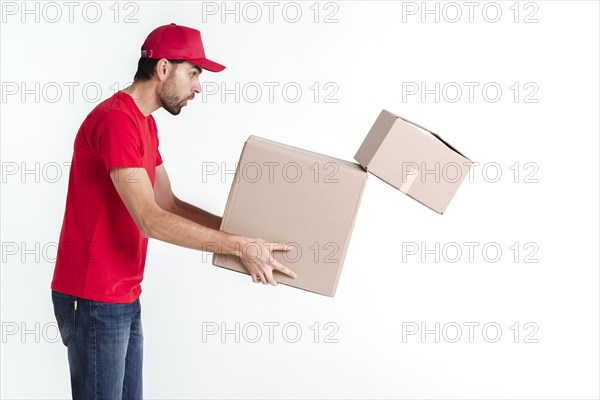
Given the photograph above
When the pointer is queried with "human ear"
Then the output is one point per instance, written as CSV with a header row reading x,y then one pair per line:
x,y
162,68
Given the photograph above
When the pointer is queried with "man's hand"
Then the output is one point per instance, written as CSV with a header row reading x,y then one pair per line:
x,y
258,260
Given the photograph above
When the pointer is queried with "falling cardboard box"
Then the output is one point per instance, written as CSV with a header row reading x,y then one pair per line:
x,y
288,195
414,160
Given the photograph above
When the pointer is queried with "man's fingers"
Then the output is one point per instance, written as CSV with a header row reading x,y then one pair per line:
x,y
283,247
282,268
270,279
262,279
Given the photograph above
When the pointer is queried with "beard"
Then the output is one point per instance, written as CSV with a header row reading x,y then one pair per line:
x,y
169,98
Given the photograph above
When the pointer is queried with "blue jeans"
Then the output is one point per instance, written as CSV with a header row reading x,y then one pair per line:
x,y
104,345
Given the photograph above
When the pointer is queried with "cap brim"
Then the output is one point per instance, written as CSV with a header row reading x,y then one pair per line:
x,y
207,64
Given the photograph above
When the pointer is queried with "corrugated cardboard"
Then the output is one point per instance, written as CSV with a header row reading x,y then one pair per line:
x,y
414,160
285,194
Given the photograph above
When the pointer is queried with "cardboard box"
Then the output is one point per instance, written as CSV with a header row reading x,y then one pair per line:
x,y
288,195
414,160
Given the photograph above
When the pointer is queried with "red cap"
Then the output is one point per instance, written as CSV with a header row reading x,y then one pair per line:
x,y
176,42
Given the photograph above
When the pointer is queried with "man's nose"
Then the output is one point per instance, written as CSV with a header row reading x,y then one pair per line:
x,y
197,88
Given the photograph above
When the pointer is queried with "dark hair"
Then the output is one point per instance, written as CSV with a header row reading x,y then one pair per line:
x,y
146,67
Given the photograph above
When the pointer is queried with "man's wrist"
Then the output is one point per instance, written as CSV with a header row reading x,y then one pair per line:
x,y
237,244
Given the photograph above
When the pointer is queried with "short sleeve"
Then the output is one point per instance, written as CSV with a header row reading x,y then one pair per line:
x,y
119,143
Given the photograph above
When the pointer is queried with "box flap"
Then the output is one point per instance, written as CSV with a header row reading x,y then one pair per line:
x,y
432,133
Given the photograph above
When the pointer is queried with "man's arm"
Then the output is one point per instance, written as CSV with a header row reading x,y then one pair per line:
x,y
197,215
135,189
169,202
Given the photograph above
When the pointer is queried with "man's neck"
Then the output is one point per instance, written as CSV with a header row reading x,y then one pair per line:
x,y
144,96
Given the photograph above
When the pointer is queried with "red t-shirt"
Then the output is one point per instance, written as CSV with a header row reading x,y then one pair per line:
x,y
101,253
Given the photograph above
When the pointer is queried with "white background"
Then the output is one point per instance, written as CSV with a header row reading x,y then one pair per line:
x,y
369,53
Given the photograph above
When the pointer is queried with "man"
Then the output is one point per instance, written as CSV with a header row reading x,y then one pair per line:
x,y
119,195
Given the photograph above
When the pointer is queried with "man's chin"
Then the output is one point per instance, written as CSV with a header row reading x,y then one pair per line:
x,y
173,111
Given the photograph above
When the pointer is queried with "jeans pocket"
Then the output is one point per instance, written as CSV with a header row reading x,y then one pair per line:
x,y
64,312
